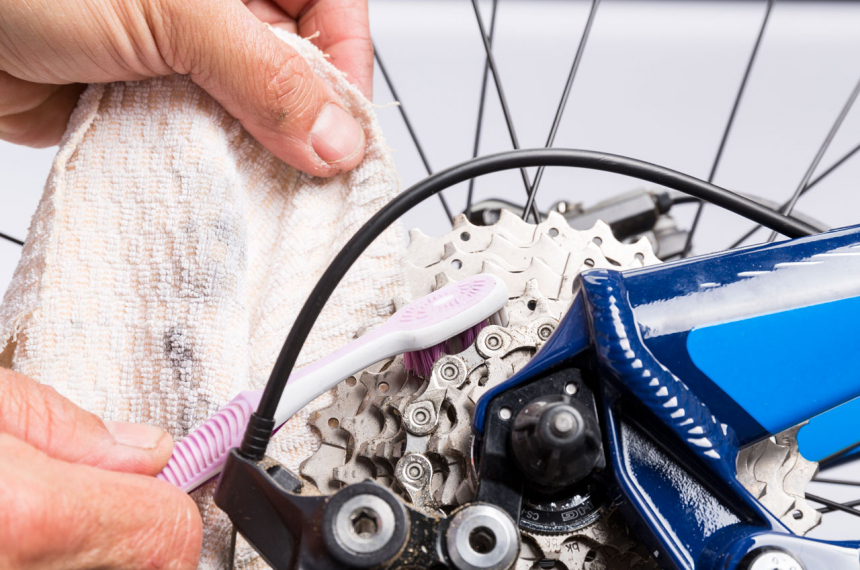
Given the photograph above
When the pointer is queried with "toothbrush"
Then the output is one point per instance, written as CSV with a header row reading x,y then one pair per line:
x,y
419,326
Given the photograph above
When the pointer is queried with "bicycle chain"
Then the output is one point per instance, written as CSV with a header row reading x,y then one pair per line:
x,y
413,435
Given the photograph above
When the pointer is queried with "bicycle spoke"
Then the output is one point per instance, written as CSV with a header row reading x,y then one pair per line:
x,y
849,504
826,510
481,103
695,226
809,187
504,102
10,238
563,103
809,171
824,174
833,505
409,128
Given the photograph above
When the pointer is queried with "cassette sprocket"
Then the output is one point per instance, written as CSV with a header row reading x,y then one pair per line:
x,y
413,435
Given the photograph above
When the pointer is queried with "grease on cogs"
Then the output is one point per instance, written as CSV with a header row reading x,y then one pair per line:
x,y
363,435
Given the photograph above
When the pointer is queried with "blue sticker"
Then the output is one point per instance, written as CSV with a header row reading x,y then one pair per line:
x,y
786,367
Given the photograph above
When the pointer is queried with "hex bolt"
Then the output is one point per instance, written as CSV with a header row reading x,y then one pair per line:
x,y
364,524
545,331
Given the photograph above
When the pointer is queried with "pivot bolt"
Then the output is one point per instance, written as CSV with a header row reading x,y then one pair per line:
x,y
482,537
414,471
364,524
545,331
449,372
419,418
563,423
555,441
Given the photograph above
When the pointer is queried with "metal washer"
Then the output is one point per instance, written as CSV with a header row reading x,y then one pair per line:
x,y
364,505
371,500
481,516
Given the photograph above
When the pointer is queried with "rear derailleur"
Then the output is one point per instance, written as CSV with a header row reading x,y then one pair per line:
x,y
542,441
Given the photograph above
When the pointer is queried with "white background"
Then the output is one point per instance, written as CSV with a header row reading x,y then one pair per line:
x,y
656,83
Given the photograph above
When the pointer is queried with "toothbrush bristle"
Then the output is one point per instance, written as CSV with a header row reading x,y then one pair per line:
x,y
420,362
468,336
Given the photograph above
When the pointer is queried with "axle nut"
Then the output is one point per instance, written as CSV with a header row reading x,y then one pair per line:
x,y
555,441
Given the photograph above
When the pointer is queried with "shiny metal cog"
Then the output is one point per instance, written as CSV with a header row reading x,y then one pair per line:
x,y
604,545
777,474
413,435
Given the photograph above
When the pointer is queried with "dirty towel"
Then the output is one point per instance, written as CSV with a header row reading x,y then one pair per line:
x,y
170,254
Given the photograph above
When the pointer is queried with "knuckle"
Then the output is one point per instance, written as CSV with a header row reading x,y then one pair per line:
x,y
24,129
167,22
291,89
18,96
39,415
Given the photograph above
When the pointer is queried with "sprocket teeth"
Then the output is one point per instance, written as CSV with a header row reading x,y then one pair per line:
x,y
519,257
328,420
539,263
318,470
775,473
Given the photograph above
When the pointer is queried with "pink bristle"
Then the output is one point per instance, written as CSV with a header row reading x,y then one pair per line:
x,y
468,336
420,362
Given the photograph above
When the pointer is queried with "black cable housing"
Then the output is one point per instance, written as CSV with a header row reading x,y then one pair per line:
x,y
255,440
685,200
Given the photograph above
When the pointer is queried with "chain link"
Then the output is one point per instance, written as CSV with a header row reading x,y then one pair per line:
x,y
413,435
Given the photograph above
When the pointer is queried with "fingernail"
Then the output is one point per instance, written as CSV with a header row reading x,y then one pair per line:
x,y
336,135
135,435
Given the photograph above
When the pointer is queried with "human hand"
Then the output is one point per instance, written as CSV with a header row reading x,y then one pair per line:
x,y
48,49
78,493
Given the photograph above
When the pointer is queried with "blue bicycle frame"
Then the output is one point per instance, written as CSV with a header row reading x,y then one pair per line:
x,y
700,357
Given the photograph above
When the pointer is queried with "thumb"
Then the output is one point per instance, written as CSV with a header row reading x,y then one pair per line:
x,y
46,420
261,81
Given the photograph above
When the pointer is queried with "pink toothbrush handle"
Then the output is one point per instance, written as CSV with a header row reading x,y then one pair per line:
x,y
201,454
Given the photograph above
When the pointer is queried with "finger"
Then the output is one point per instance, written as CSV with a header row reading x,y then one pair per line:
x,y
262,82
46,420
35,114
18,96
268,12
344,34
59,515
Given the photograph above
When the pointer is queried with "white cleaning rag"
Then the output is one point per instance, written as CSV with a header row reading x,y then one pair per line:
x,y
170,254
